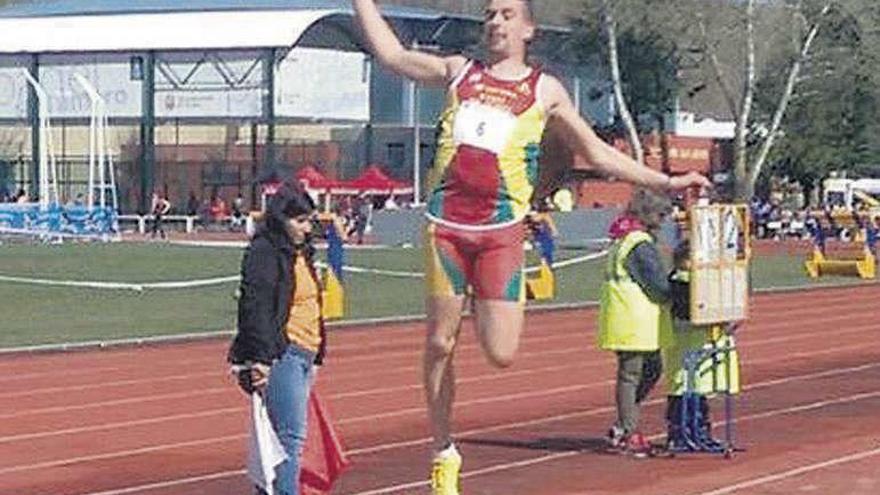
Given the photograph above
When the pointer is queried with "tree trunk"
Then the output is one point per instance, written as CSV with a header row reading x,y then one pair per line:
x,y
742,184
755,169
632,134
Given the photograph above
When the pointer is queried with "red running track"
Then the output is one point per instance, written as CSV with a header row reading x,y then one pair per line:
x,y
165,420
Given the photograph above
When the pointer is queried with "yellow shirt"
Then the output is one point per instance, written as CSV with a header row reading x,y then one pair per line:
x,y
304,322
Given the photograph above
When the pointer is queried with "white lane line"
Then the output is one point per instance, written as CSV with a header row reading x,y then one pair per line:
x,y
118,454
559,455
119,383
601,410
119,402
772,478
121,424
127,453
172,483
551,457
503,426
471,359
400,412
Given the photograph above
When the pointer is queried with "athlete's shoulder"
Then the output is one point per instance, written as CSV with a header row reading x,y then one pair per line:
x,y
552,92
456,65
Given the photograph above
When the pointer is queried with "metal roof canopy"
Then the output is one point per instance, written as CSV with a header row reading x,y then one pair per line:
x,y
109,26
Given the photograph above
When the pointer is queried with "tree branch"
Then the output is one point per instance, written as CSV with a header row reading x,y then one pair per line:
x,y
629,123
786,96
742,189
716,67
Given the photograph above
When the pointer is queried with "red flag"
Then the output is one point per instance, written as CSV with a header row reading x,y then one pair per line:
x,y
323,458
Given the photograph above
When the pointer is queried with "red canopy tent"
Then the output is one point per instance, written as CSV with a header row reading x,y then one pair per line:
x,y
373,180
313,179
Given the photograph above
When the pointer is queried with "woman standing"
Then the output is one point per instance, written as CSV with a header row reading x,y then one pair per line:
x,y
280,327
632,313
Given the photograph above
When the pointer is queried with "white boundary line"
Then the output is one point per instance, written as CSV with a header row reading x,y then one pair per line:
x,y
469,433
559,455
170,483
517,464
794,472
367,322
544,353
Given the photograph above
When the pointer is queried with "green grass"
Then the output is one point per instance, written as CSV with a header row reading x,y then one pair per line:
x,y
33,315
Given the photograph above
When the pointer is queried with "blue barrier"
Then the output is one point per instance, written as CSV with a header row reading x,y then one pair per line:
x,y
73,221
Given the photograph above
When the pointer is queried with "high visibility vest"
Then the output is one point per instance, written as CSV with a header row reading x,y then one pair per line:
x,y
628,319
715,374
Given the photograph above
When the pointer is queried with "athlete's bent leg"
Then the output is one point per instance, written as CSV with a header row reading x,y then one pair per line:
x,y
499,286
499,326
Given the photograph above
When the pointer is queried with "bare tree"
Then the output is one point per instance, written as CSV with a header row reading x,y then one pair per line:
x,y
746,168
629,124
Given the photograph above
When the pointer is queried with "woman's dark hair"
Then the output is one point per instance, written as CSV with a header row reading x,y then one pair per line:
x,y
288,202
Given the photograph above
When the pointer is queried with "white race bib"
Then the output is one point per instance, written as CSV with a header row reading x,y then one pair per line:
x,y
482,126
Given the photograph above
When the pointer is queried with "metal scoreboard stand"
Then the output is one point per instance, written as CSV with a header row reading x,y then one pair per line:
x,y
719,301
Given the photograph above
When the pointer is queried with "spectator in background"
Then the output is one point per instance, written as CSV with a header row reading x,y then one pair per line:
x,y
218,209
192,204
238,211
390,204
543,230
359,215
159,206
22,197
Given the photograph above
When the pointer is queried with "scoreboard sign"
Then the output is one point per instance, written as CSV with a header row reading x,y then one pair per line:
x,y
720,252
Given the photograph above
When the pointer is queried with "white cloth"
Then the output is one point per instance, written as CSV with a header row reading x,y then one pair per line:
x,y
265,451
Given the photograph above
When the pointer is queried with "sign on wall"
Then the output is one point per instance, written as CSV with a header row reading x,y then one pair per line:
x,y
108,73
309,83
323,84
209,84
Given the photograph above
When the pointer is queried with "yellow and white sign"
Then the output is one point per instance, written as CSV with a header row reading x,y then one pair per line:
x,y
720,252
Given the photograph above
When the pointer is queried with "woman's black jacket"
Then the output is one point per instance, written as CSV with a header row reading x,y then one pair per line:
x,y
267,285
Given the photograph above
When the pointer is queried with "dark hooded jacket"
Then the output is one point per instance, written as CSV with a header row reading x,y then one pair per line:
x,y
266,290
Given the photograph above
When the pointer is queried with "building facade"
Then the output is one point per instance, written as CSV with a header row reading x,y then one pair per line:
x,y
203,109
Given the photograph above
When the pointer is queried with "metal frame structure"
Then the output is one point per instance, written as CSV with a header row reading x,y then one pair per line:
x,y
211,26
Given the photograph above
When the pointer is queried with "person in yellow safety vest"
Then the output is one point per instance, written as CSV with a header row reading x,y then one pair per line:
x,y
632,305
713,372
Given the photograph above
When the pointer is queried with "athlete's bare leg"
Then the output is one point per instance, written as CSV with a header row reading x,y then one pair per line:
x,y
444,324
499,326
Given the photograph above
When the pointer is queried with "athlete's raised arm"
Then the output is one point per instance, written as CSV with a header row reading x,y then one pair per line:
x,y
419,66
582,140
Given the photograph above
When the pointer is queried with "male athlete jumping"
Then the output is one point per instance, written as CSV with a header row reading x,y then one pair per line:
x,y
484,174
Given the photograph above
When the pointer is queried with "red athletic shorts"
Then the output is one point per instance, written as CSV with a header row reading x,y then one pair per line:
x,y
488,261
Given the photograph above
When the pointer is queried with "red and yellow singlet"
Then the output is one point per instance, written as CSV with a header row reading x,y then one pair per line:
x,y
488,146
484,175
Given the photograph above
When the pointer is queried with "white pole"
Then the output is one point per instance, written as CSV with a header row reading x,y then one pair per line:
x,y
52,166
111,170
93,125
417,147
102,178
96,141
42,166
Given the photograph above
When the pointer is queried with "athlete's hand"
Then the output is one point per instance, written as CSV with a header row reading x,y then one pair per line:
x,y
688,180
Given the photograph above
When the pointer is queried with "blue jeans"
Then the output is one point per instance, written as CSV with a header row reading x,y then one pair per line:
x,y
287,400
